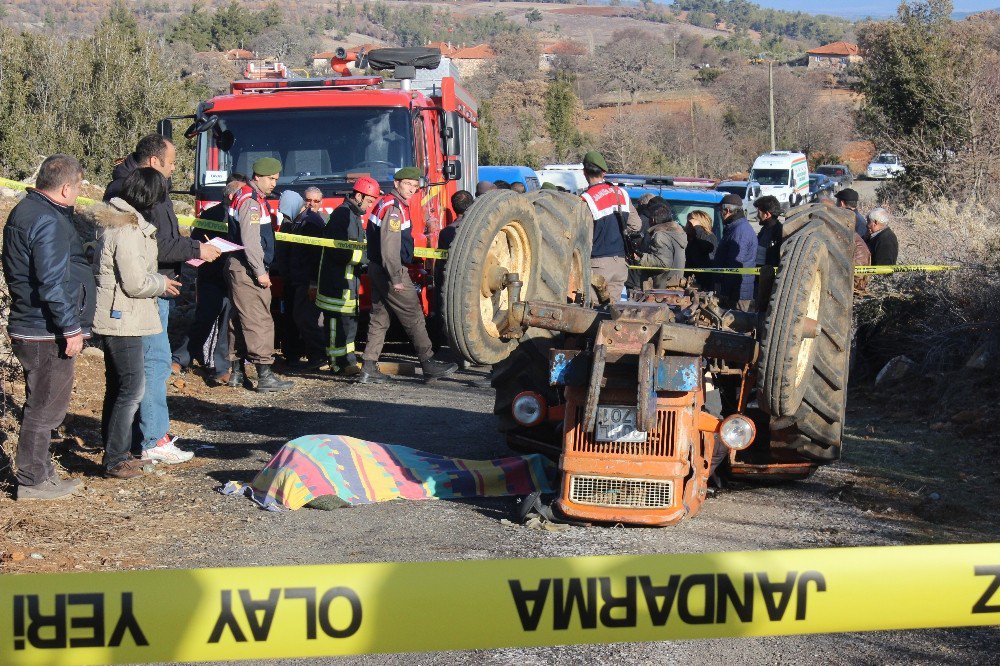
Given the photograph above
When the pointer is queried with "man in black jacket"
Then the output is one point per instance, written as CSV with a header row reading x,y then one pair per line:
x,y
298,265
52,294
207,339
153,420
881,239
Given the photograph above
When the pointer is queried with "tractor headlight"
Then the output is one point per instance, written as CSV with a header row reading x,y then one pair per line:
x,y
528,408
737,431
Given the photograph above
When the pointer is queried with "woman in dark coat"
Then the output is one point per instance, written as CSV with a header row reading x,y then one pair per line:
x,y
700,247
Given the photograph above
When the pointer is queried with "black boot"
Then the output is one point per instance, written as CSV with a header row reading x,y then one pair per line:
x,y
236,376
268,382
370,373
434,369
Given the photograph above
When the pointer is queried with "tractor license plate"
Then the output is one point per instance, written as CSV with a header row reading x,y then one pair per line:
x,y
617,424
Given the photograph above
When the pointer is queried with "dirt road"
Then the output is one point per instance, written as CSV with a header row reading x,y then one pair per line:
x,y
878,495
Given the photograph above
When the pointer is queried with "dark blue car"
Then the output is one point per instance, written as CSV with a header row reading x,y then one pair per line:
x,y
820,183
682,200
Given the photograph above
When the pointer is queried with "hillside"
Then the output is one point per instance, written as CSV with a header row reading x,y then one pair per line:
x,y
587,24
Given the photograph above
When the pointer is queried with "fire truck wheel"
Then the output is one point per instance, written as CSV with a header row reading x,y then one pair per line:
x,y
805,347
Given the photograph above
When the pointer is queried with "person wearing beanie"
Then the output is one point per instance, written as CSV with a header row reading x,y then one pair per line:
x,y
737,249
848,198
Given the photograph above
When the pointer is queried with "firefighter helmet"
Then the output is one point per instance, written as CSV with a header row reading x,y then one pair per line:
x,y
367,185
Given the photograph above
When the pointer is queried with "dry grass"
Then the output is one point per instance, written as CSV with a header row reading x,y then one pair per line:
x,y
940,319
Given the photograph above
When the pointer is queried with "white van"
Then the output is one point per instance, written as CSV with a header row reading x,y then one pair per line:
x,y
782,174
568,176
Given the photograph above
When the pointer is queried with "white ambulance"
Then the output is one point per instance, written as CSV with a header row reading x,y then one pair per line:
x,y
782,174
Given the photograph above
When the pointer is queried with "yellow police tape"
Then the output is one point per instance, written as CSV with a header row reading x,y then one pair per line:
x,y
858,270
342,609
431,253
221,227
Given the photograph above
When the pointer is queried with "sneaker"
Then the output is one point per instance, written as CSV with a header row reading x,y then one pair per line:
x,y
126,469
49,489
167,452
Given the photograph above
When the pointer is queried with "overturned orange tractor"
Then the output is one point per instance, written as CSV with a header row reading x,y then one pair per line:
x,y
640,400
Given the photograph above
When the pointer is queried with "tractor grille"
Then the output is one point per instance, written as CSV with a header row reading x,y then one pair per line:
x,y
658,444
616,491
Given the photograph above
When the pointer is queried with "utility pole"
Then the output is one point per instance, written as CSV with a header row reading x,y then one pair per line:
x,y
694,141
770,98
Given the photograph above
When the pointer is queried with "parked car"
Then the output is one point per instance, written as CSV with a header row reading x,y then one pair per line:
x,y
748,190
885,165
840,173
512,174
567,176
819,183
682,200
782,174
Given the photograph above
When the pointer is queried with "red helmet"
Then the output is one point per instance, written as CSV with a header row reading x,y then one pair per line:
x,y
367,185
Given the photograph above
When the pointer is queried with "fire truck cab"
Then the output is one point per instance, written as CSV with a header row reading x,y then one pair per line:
x,y
328,132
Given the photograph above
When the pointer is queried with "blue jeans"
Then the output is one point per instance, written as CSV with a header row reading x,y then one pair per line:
x,y
125,375
153,420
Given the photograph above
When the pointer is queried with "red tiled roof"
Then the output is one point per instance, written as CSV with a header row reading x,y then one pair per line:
x,y
366,47
836,49
478,52
240,54
445,48
565,47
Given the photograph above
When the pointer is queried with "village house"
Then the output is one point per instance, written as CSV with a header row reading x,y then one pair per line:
x,y
469,60
835,56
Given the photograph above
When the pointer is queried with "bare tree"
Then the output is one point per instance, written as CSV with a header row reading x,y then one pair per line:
x,y
634,61
627,143
805,118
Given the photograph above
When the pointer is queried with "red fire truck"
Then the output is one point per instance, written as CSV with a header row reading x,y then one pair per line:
x,y
327,132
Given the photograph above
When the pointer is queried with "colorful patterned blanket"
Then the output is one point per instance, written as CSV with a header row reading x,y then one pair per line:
x,y
359,472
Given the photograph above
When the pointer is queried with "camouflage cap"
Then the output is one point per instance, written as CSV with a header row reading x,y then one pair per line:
x,y
407,173
548,186
266,166
594,158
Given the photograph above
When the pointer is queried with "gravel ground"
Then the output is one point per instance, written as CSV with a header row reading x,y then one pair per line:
x,y
842,505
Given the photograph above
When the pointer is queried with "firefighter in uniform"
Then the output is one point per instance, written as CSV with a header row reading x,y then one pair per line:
x,y
251,328
337,288
615,222
390,249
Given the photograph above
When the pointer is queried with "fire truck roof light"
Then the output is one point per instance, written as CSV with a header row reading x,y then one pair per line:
x,y
306,84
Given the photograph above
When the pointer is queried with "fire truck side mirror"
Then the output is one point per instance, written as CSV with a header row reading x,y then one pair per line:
x,y
450,133
452,170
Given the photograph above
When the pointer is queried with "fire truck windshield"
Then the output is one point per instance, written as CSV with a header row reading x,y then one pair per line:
x,y
314,146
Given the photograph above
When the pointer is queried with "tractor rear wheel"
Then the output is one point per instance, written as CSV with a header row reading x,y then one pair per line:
x,y
806,334
543,236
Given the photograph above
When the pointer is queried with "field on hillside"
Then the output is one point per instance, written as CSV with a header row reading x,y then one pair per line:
x,y
590,25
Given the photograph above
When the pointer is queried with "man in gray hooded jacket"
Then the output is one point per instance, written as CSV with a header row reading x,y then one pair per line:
x,y
667,245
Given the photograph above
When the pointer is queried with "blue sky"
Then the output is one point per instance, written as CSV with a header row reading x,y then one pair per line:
x,y
861,8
